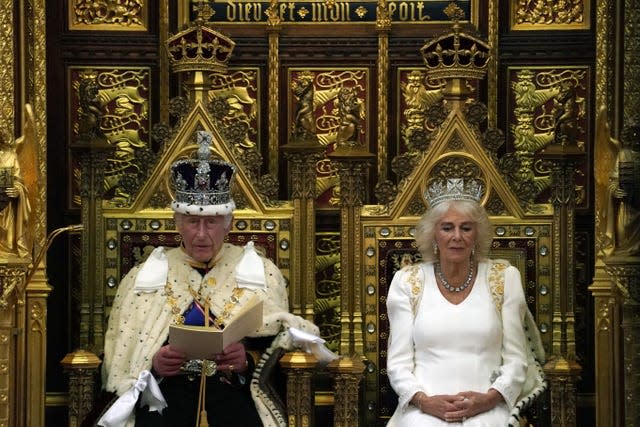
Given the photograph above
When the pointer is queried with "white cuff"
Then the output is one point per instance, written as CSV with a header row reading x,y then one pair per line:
x,y
313,344
122,408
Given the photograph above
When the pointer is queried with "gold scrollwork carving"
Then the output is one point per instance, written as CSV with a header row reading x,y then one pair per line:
x,y
9,57
330,109
328,289
234,108
11,280
418,94
113,104
550,14
550,108
111,15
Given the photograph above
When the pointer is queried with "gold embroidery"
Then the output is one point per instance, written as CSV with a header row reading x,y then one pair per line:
x,y
416,285
496,283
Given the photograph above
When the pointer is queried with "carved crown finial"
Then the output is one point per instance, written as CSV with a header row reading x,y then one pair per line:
x,y
456,54
200,47
204,11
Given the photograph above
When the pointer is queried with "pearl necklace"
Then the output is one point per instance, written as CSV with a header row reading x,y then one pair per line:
x,y
450,287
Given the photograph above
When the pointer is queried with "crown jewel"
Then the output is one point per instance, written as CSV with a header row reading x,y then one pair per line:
x,y
453,189
202,185
199,47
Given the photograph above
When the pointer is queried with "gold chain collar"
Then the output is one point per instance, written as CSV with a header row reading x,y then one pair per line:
x,y
227,309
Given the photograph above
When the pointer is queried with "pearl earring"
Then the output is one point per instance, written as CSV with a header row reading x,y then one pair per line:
x,y
435,249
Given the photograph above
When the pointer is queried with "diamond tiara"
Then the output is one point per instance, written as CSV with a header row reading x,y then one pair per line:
x,y
453,189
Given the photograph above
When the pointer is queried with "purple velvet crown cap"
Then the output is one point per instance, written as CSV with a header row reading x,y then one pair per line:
x,y
202,186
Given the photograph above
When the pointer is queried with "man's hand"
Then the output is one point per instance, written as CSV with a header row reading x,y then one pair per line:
x,y
233,358
167,362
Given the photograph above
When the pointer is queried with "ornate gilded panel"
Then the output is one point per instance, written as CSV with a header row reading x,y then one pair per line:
x,y
112,105
550,15
324,11
234,106
418,111
7,77
333,105
108,15
416,96
546,106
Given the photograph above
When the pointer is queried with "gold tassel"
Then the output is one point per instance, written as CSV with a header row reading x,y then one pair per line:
x,y
207,308
201,420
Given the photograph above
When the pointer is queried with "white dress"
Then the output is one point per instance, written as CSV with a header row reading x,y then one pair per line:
x,y
454,348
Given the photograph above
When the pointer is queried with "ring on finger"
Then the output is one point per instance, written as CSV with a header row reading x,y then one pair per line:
x,y
231,368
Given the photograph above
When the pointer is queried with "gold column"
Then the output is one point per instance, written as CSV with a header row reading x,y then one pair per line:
x,y
163,17
383,26
607,336
609,369
36,294
624,266
303,157
303,151
7,77
13,401
274,25
352,164
492,68
299,367
562,368
347,373
625,272
93,157
615,285
33,90
82,367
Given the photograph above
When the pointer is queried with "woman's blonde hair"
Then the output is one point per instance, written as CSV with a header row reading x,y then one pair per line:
x,y
426,227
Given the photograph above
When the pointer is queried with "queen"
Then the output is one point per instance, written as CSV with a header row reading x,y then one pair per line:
x,y
443,367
